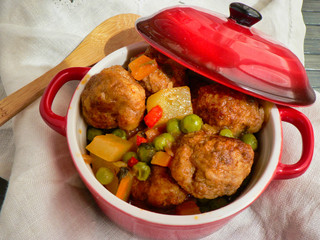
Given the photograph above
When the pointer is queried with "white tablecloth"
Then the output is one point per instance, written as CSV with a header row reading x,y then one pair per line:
x,y
46,198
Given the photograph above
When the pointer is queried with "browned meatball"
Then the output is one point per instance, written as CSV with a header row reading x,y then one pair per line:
x,y
156,81
160,190
151,52
209,166
112,98
226,108
169,73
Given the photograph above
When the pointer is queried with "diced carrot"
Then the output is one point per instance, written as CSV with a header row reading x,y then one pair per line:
x,y
87,158
140,140
124,188
142,66
153,116
161,159
151,133
188,208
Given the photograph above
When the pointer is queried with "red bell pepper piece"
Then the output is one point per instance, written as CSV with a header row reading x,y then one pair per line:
x,y
140,140
132,161
153,116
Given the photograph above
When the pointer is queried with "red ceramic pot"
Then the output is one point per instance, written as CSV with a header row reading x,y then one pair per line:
x,y
145,223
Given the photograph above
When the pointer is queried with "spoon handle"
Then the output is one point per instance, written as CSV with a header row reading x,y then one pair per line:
x,y
17,101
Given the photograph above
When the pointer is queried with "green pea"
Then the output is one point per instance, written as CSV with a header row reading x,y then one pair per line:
x,y
191,123
173,126
93,132
104,175
142,171
120,133
163,140
226,133
250,139
126,157
145,152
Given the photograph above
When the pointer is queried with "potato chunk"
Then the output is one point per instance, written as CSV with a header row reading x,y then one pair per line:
x,y
175,103
109,147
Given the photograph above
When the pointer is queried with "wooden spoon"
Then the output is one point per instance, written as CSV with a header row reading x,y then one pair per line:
x,y
112,34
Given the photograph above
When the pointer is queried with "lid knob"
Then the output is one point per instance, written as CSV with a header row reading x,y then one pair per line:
x,y
244,14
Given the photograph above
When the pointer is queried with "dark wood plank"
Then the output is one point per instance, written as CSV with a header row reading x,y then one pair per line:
x,y
313,32
314,77
311,46
311,6
311,18
312,62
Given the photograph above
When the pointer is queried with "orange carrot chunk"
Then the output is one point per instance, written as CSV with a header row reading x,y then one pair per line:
x,y
161,159
188,208
124,188
142,66
151,133
87,158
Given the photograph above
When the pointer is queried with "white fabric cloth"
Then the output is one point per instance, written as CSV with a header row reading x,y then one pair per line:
x,y
46,198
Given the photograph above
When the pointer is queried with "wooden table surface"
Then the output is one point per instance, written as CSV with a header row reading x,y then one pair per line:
x,y
311,15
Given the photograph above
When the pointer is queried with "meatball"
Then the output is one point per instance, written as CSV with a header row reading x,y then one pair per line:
x,y
226,108
160,190
151,52
169,73
112,98
210,166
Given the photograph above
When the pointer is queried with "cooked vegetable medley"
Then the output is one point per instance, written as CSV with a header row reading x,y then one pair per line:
x,y
163,139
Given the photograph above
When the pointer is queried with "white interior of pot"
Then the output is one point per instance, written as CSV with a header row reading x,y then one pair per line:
x,y
270,141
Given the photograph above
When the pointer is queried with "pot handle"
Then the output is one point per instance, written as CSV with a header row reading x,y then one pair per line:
x,y
57,122
304,126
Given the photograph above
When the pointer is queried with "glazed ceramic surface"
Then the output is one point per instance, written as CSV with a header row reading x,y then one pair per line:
x,y
154,225
229,51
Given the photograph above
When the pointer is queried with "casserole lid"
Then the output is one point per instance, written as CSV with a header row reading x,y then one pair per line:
x,y
229,51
